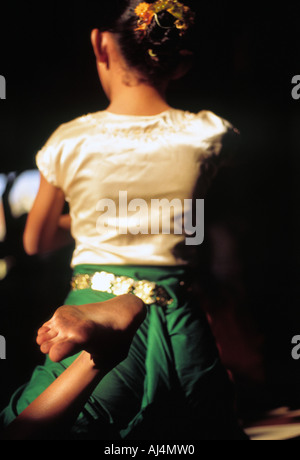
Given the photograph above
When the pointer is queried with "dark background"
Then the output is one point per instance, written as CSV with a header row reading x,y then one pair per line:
x,y
249,264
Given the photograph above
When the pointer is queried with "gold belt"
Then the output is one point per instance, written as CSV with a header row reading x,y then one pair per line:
x,y
150,293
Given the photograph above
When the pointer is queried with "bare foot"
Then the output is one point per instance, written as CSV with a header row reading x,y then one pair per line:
x,y
105,330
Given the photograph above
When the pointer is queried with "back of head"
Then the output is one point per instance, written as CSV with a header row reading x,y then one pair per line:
x,y
154,37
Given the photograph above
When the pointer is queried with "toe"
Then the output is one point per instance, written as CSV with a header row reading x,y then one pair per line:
x,y
46,336
43,329
45,347
62,350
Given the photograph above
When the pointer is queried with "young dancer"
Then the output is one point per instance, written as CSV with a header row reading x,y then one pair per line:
x,y
141,376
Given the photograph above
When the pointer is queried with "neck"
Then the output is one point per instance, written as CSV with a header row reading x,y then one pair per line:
x,y
138,100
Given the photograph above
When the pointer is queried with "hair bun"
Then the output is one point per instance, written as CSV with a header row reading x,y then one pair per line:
x,y
162,37
153,35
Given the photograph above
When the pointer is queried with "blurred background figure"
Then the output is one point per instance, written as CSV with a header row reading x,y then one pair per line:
x,y
23,192
17,195
3,182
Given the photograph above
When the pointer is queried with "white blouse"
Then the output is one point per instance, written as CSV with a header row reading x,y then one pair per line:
x,y
129,181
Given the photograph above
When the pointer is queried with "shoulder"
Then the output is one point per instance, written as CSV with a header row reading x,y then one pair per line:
x,y
215,123
207,124
214,136
63,145
75,129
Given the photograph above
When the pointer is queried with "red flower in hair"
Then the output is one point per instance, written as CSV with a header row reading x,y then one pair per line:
x,y
145,13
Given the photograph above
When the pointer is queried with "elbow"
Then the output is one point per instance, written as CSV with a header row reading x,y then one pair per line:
x,y
35,247
30,252
29,249
30,244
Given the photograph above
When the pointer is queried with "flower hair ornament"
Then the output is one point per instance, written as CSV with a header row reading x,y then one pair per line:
x,y
184,16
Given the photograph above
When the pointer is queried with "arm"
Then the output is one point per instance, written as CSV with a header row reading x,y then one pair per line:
x,y
57,408
46,229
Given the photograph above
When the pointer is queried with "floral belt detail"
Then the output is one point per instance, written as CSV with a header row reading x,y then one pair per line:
x,y
150,293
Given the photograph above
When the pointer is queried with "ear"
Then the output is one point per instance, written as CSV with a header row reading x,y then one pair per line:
x,y
99,46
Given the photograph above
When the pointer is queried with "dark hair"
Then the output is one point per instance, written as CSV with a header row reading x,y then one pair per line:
x,y
158,53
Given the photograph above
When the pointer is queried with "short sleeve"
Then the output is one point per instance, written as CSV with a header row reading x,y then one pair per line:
x,y
221,145
222,141
46,165
48,158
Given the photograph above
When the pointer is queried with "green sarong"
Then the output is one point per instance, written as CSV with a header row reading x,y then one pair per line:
x,y
172,384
